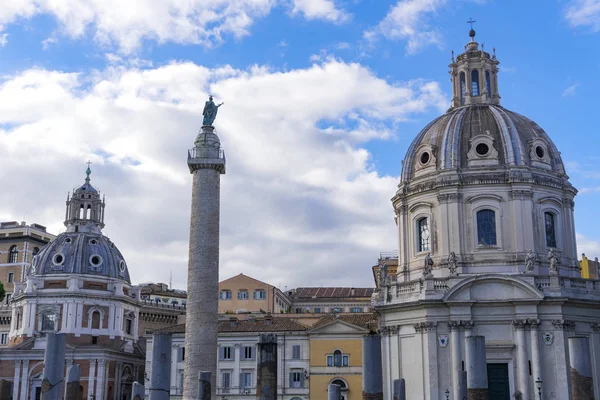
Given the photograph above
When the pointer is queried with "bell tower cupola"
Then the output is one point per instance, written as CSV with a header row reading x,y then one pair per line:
x,y
85,208
474,75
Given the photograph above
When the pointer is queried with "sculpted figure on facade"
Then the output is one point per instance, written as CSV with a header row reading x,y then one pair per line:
x,y
453,264
554,260
210,111
383,276
428,266
530,259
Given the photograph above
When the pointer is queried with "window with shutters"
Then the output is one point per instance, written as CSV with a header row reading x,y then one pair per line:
x,y
225,381
260,294
243,294
246,379
296,352
226,353
225,295
4,338
248,353
181,354
11,277
13,255
296,379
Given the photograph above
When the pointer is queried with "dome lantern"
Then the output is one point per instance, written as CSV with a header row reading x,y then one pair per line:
x,y
474,75
85,208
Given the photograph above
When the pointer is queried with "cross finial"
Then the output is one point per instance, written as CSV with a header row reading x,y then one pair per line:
x,y
471,21
88,171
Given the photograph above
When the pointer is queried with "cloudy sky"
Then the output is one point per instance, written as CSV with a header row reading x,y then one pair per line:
x,y
322,98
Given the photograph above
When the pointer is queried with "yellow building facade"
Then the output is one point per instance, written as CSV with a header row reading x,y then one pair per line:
x,y
589,268
336,355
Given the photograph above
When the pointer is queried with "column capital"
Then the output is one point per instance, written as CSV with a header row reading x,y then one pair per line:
x,y
453,325
595,326
17,363
69,362
102,362
534,323
468,324
563,324
425,326
26,363
519,324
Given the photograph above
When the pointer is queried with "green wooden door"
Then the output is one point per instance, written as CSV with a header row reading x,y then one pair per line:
x,y
498,381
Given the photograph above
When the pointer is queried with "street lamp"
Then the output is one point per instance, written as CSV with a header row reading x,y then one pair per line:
x,y
447,394
538,385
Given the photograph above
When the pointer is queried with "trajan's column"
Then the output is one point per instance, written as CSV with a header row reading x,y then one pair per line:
x,y
206,162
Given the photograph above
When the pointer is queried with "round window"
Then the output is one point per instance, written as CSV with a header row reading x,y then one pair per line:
x,y
58,259
95,260
539,151
68,240
424,158
482,149
93,241
122,266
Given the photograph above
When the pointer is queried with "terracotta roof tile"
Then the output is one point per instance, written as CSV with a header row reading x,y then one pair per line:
x,y
330,292
362,320
257,325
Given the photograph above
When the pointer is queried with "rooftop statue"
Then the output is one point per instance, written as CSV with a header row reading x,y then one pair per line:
x,y
210,111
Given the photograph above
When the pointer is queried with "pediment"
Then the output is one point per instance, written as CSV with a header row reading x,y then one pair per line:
x,y
339,327
493,288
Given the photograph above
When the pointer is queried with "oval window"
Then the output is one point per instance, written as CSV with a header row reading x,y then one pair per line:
x,y
122,266
424,158
539,151
93,241
95,260
68,240
58,259
482,149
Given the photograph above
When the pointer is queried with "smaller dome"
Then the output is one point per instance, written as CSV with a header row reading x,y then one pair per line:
x,y
81,253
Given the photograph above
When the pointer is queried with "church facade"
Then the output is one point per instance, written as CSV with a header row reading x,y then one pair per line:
x,y
486,247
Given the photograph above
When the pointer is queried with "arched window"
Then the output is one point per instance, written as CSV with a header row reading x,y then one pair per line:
x,y
82,212
488,83
423,232
486,227
96,320
13,254
49,321
463,88
474,83
550,229
337,358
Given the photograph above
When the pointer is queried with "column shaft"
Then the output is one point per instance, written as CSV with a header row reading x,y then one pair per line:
x,y
456,362
54,366
536,363
25,380
522,367
100,379
477,385
92,378
266,383
16,381
160,381
372,377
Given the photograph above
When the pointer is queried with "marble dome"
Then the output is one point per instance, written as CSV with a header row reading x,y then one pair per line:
x,y
480,136
81,253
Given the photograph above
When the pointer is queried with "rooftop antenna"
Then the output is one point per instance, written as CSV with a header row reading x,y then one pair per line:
x,y
171,280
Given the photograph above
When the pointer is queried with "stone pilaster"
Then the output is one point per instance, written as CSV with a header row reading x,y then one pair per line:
x,y
16,380
92,378
100,380
25,380
522,367
453,326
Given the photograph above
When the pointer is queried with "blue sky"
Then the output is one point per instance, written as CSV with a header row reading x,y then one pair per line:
x,y
322,98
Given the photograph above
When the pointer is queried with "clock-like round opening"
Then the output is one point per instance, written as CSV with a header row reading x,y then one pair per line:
x,y
424,158
482,149
539,151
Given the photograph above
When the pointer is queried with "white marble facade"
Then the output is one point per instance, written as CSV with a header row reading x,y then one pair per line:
x,y
486,247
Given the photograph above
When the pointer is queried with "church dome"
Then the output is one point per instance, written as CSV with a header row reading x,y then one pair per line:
x,y
82,249
81,253
480,136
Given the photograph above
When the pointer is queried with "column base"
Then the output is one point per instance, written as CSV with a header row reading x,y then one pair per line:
x,y
477,394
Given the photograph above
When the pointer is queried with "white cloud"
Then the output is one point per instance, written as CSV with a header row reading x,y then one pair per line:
x,y
3,39
299,200
407,20
571,90
584,13
320,9
127,23
587,246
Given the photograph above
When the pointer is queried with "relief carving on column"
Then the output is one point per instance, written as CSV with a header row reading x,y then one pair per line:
x,y
453,325
595,326
563,324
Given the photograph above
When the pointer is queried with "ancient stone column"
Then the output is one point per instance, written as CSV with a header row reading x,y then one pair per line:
x,y
73,382
204,386
372,368
477,385
206,162
54,366
582,382
522,367
334,392
266,382
160,381
399,389
138,391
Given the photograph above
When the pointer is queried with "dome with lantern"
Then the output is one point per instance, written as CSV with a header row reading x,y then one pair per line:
x,y
82,249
